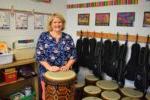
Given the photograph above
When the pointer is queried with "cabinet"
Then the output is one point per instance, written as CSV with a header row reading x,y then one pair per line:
x,y
11,87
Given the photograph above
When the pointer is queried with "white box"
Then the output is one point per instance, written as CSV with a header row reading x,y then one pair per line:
x,y
6,58
24,53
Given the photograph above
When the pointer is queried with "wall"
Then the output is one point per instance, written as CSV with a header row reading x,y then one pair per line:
x,y
12,35
72,14
139,9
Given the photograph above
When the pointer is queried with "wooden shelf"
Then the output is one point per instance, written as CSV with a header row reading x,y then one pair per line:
x,y
113,36
18,63
6,88
4,83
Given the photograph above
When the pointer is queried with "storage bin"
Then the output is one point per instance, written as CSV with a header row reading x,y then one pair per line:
x,y
11,76
24,53
6,58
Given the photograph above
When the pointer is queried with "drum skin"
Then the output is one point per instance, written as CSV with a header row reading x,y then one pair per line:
x,y
92,90
60,85
130,92
91,80
110,95
107,85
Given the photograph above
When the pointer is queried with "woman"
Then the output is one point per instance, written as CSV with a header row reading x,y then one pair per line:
x,y
55,49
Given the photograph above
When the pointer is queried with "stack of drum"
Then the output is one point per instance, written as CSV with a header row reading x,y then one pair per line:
x,y
95,89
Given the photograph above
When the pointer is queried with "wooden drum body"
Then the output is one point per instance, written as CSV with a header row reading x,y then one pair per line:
x,y
60,85
79,91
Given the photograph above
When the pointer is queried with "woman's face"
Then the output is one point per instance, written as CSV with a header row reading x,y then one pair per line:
x,y
57,25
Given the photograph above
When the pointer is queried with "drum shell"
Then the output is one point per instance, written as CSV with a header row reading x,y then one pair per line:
x,y
79,91
59,89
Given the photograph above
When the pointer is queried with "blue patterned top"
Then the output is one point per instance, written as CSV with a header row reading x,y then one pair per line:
x,y
55,53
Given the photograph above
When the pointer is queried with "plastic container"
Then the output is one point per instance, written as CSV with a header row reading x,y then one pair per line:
x,y
6,58
25,53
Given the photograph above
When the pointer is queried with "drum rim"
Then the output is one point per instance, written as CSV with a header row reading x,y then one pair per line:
x,y
60,82
58,79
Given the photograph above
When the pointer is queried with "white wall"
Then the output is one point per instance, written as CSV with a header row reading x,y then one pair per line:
x,y
72,19
11,35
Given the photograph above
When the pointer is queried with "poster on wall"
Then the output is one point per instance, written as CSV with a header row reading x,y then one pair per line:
x,y
4,20
21,21
125,18
146,21
102,19
38,21
83,19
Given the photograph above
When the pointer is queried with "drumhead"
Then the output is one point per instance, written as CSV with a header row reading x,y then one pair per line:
x,y
92,89
129,92
107,84
91,98
110,95
63,75
91,78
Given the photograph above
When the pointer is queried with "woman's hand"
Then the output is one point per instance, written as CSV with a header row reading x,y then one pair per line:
x,y
64,68
54,69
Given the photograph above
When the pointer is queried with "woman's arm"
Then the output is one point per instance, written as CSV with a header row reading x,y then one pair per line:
x,y
49,67
68,65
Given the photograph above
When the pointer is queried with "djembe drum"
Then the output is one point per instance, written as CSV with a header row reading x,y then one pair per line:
x,y
79,91
91,79
60,85
131,93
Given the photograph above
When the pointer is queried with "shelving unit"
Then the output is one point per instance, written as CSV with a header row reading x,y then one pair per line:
x,y
12,87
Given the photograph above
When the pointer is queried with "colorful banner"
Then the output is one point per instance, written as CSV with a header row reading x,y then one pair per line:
x,y
103,3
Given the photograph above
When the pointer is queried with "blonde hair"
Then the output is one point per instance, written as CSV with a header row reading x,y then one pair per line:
x,y
51,18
